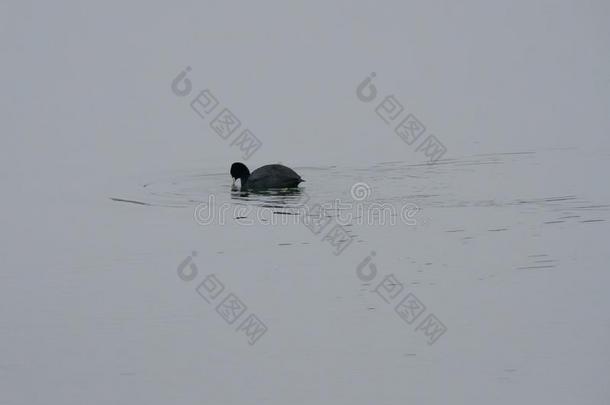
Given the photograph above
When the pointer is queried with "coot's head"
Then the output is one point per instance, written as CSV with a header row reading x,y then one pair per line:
x,y
239,171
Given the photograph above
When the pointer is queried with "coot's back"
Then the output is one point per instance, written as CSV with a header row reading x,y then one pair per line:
x,y
273,176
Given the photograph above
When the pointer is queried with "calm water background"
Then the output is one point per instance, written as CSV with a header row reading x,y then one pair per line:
x,y
507,267
509,249
512,261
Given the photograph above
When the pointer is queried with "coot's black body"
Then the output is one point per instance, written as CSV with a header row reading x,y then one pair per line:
x,y
265,177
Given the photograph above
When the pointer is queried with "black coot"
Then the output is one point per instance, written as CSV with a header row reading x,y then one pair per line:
x,y
269,176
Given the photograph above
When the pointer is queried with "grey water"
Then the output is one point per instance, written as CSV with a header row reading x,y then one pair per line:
x,y
132,272
495,253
